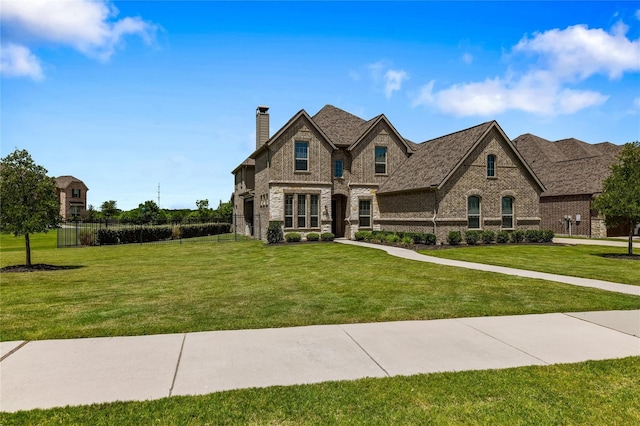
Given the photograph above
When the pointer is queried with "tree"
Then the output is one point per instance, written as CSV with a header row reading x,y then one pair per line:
x,y
29,203
620,198
203,213
109,208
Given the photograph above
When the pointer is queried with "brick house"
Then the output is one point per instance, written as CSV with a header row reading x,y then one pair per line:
x,y
572,172
72,193
340,173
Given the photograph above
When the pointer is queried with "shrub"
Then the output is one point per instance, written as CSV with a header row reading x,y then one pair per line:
x,y
313,236
488,237
362,235
175,233
472,237
416,237
87,238
392,238
502,237
517,236
547,236
327,236
407,241
454,238
292,237
107,236
533,236
430,239
274,232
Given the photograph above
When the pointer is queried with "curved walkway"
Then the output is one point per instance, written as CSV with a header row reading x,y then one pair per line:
x,y
583,282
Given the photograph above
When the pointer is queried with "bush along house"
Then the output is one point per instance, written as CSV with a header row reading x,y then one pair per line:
x,y
335,172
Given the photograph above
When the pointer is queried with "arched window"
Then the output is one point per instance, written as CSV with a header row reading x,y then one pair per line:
x,y
473,212
491,165
507,212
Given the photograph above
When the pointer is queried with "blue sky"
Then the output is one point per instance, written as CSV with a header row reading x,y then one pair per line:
x,y
126,95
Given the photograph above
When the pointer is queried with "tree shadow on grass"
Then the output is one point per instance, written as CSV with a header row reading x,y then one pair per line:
x,y
620,256
38,268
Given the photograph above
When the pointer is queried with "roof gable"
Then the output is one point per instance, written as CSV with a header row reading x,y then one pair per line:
x,y
436,160
301,115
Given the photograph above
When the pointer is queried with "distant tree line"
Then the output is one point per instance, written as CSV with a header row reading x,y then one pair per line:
x,y
149,212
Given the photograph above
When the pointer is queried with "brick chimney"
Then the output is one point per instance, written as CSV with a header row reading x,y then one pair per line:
x,y
262,125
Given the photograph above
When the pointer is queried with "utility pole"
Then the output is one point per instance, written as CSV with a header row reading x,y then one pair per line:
x,y
158,195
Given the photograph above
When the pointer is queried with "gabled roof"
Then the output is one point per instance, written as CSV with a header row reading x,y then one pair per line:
x,y
435,161
249,162
63,182
340,126
568,166
300,115
347,130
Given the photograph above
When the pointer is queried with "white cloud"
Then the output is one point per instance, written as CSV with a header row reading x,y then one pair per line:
x,y
393,81
18,61
390,79
579,52
467,58
85,25
565,57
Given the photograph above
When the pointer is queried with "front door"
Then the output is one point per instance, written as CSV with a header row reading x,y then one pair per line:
x,y
338,214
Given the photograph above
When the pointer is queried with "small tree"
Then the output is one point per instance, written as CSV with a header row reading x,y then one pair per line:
x,y
620,198
109,209
28,198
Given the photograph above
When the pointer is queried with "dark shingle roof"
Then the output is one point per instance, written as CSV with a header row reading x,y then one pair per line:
x,y
434,160
340,126
64,181
568,166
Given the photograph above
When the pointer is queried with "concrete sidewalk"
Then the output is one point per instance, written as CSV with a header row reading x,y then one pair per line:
x,y
50,373
583,282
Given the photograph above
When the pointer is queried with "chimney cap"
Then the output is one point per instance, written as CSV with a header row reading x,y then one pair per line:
x,y
262,109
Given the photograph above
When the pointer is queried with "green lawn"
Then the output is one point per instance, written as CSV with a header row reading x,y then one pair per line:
x,y
584,261
170,288
590,393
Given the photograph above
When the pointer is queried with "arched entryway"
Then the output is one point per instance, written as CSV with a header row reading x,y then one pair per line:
x,y
338,214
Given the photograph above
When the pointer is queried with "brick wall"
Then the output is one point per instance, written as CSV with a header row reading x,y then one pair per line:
x,y
554,209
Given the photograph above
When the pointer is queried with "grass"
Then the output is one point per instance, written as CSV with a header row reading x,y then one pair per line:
x,y
152,289
594,392
585,261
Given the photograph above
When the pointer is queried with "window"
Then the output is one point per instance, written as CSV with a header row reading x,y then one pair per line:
x,y
507,213
302,156
364,213
337,168
473,212
288,211
314,208
381,160
491,165
302,211
75,193
75,211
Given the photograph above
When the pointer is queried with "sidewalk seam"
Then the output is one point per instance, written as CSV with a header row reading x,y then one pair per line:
x,y
504,343
11,352
175,373
365,351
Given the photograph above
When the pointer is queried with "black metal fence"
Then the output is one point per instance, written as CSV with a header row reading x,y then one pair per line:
x,y
111,232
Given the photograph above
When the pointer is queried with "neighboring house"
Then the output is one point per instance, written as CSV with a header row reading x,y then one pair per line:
x,y
72,193
340,173
572,172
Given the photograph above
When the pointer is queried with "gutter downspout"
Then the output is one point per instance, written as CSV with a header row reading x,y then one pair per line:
x,y
435,209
